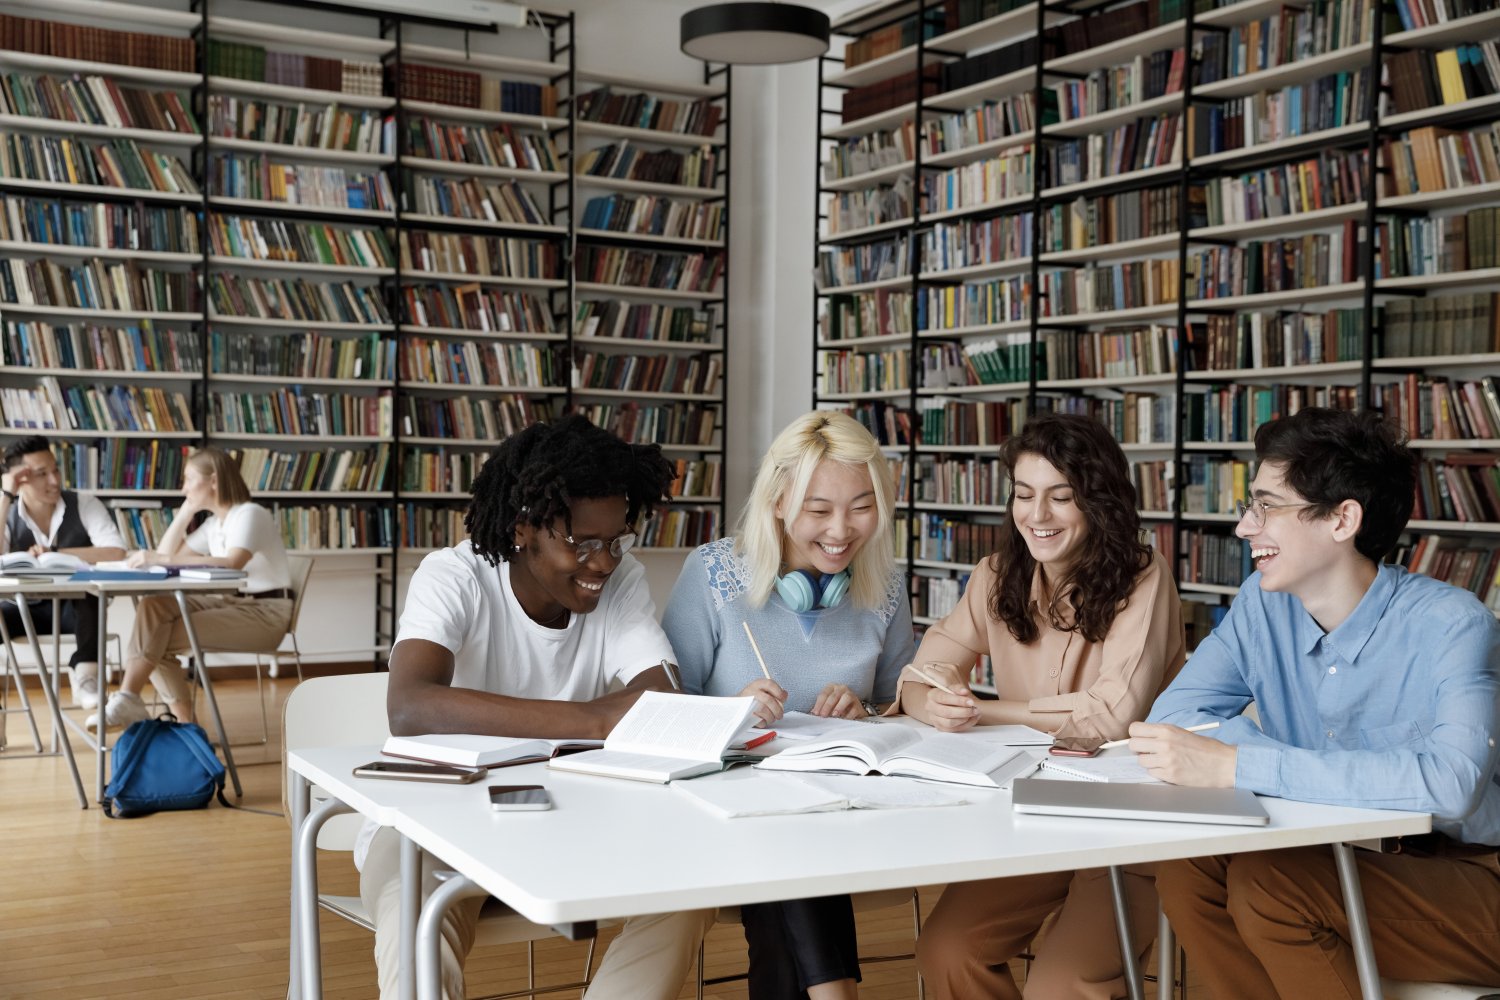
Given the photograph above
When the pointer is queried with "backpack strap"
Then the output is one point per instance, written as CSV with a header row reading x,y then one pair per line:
x,y
138,746
208,759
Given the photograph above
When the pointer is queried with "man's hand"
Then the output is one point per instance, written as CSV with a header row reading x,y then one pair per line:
x,y
12,481
837,701
770,700
1179,757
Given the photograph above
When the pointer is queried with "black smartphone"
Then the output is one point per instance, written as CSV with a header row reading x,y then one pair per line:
x,y
419,772
504,798
1077,746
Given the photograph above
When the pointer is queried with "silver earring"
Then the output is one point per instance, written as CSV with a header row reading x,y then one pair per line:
x,y
517,548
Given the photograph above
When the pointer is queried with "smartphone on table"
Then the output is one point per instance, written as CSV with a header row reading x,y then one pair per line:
x,y
412,771
1077,746
508,798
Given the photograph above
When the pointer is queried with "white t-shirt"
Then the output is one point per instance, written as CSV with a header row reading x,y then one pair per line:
x,y
467,606
247,526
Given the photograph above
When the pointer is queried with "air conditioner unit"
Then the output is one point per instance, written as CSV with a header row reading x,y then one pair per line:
x,y
487,12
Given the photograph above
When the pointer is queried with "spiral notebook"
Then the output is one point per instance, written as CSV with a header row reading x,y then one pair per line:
x,y
1122,768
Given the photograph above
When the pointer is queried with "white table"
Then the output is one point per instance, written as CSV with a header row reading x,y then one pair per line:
x,y
549,866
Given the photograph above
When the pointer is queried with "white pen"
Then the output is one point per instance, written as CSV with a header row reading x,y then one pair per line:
x,y
1190,729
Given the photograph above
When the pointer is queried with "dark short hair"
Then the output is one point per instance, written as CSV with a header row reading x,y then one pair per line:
x,y
536,474
17,451
1083,450
1336,455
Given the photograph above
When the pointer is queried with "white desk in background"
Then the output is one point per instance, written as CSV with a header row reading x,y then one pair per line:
x,y
566,867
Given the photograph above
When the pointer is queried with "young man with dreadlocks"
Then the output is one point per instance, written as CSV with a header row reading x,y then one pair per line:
x,y
520,631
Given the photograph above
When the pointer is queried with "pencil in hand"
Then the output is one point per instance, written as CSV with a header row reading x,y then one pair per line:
x,y
758,658
1190,729
937,683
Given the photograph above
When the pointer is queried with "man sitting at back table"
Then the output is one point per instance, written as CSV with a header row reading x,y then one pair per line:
x,y
1375,687
40,516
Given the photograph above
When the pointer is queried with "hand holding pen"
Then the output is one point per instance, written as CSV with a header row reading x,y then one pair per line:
x,y
770,697
951,706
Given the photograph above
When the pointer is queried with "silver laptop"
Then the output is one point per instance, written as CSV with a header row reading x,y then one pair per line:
x,y
1163,803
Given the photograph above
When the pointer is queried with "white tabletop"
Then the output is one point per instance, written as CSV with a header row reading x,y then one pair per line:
x,y
613,848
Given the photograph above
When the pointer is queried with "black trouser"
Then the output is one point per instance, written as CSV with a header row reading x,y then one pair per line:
x,y
799,943
80,618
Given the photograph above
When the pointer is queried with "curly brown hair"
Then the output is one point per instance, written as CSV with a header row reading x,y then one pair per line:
x,y
1099,586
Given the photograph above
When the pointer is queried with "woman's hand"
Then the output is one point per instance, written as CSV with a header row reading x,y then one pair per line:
x,y
770,700
837,701
37,549
950,708
144,557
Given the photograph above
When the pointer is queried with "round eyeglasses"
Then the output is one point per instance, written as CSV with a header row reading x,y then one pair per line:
x,y
590,547
1257,509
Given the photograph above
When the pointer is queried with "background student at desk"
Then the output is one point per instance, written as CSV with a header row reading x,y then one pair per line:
x,y
812,573
39,517
216,525
520,631
1084,627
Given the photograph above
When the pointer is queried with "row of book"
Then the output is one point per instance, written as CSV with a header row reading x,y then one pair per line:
x,y
697,478
1329,102
676,529
614,319
863,371
100,283
1442,244
468,418
1097,221
1109,287
881,149
1306,185
1231,413
468,89
1289,35
936,596
694,424
105,224
694,168
334,470
297,411
889,424
1214,558
95,100
87,347
949,422
1461,562
1276,339
53,406
257,177
1133,418
77,41
1441,325
464,362
473,198
1425,13
438,470
1256,267
650,215
894,37
306,126
1437,409
856,265
984,182
1213,485
499,145
117,163
1144,78
299,355
1142,144
851,211
979,482
1461,486
340,526
239,296
490,256
243,61
993,119
1431,159
693,374
1155,484
880,313
629,267
249,238
120,464
950,246
474,307
636,110
1108,353
423,526
943,539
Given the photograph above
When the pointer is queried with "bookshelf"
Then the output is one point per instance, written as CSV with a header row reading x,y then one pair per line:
x,y
1148,213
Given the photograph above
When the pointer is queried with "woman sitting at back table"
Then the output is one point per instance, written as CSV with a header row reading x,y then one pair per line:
x,y
1084,627
234,532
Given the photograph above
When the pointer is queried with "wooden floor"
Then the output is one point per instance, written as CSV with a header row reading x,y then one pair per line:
x,y
193,905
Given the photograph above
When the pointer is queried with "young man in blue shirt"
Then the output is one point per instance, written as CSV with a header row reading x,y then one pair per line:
x,y
1374,687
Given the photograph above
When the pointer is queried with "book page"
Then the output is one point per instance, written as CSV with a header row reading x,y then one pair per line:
x,y
870,743
800,726
1011,736
956,752
885,793
695,727
751,793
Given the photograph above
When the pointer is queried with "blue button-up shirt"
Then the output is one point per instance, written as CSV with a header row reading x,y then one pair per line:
x,y
1397,708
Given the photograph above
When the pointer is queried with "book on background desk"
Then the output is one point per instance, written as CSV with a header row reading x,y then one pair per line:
x,y
960,758
188,571
665,737
737,794
46,564
208,572
1122,767
469,750
142,575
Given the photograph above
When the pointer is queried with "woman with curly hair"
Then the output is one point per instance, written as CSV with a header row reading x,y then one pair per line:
x,y
1083,624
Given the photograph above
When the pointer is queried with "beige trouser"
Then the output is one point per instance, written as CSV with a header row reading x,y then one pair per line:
x,y
648,961
223,622
978,927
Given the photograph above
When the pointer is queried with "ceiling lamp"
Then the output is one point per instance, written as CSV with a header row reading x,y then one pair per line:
x,y
754,33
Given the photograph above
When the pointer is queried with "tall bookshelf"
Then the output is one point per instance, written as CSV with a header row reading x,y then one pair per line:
x,y
354,258
1084,220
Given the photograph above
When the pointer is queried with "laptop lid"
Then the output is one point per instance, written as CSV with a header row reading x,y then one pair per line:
x,y
1163,803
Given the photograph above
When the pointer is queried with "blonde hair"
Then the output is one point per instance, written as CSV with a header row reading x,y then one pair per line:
x,y
228,482
783,476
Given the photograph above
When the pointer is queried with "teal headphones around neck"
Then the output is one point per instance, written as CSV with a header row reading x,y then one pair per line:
x,y
804,591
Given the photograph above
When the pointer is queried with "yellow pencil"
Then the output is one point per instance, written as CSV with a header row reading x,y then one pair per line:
x,y
937,683
760,659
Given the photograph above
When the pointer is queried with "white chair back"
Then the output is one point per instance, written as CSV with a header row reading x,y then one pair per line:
x,y
300,568
335,711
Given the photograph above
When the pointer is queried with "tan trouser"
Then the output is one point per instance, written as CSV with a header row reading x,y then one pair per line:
x,y
1272,923
978,927
223,622
649,960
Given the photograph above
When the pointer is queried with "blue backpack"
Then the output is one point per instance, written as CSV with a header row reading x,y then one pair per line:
x,y
161,764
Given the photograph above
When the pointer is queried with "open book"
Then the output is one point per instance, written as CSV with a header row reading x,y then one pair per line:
x,y
740,793
468,750
46,564
664,737
908,752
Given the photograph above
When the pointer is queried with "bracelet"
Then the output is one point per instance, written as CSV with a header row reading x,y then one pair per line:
x,y
12,497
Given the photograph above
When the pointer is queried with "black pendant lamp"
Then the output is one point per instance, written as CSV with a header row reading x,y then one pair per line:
x,y
754,33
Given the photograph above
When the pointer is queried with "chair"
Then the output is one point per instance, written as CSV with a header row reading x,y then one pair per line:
x,y
864,902
350,709
300,570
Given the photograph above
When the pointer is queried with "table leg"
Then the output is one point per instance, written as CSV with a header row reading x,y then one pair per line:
x,y
299,794
13,672
208,691
1166,956
1359,926
1128,962
411,906
101,737
429,931
49,692
305,899
57,659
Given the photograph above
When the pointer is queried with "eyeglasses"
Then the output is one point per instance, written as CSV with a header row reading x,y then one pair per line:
x,y
590,547
1257,509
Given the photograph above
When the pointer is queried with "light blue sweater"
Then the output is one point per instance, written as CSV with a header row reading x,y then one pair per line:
x,y
862,647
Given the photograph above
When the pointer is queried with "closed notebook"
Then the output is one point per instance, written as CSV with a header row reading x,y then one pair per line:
x,y
907,752
1123,767
469,750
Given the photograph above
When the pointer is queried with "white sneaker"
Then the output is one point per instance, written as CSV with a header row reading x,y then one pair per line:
x,y
84,684
121,710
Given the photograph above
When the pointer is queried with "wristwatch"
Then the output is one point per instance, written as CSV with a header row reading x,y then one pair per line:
x,y
871,708
13,497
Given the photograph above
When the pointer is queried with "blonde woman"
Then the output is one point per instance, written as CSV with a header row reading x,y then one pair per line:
x,y
234,532
813,574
